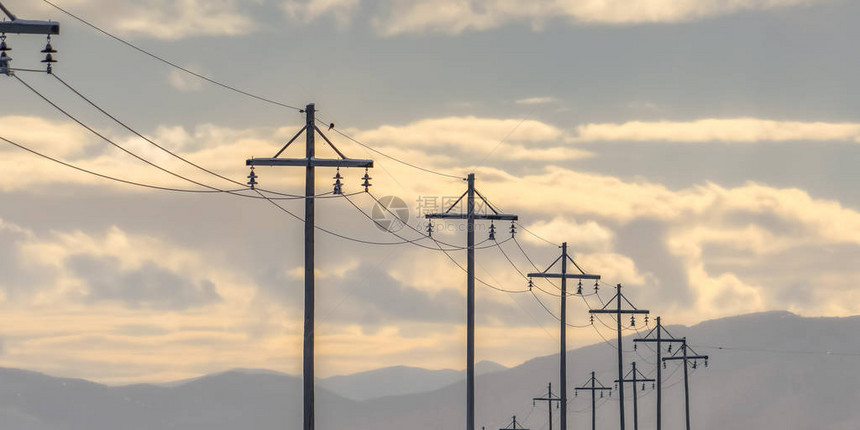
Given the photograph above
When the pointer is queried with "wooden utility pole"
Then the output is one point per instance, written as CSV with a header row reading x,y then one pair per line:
x,y
593,387
618,312
659,335
470,216
310,162
635,376
685,357
549,399
564,276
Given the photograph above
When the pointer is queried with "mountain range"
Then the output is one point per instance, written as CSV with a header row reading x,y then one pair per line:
x,y
766,371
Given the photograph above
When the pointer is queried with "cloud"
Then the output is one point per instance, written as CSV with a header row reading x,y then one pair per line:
x,y
183,81
309,10
475,138
158,19
148,286
737,130
455,16
537,101
588,235
136,271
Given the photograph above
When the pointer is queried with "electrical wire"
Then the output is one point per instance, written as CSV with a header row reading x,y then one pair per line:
x,y
451,246
106,139
780,351
332,233
411,241
112,178
168,62
235,89
391,157
553,314
127,127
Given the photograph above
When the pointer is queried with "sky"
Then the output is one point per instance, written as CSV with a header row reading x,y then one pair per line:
x,y
700,152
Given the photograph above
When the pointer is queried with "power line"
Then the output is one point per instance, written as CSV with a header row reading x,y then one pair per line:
x,y
235,89
393,158
168,62
781,351
127,127
112,178
106,139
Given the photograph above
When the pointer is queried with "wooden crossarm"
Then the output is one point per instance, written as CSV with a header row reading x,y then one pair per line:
x,y
316,162
559,275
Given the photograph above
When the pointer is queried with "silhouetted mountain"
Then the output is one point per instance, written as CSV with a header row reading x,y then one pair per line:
x,y
773,374
399,380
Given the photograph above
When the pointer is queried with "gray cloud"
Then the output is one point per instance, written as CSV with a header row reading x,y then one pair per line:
x,y
149,286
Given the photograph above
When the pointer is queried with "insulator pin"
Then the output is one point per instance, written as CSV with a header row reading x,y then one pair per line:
x,y
253,179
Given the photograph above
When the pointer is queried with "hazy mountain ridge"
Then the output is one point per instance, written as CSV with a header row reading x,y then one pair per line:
x,y
399,380
740,389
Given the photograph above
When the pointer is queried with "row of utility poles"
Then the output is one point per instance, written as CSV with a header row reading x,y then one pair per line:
x,y
470,215
658,335
311,161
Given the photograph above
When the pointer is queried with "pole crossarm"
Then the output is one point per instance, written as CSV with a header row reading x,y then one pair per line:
x,y
23,26
623,311
689,357
26,26
470,213
567,276
634,376
313,161
514,425
659,340
502,217
592,389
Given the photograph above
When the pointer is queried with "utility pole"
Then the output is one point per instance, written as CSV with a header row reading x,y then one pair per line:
x,y
656,335
310,162
594,389
564,276
470,216
685,357
22,26
635,376
549,399
618,311
514,425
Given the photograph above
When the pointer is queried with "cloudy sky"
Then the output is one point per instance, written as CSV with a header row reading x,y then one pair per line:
x,y
702,152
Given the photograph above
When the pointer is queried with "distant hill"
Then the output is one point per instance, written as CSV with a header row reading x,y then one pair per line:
x,y
775,374
399,380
